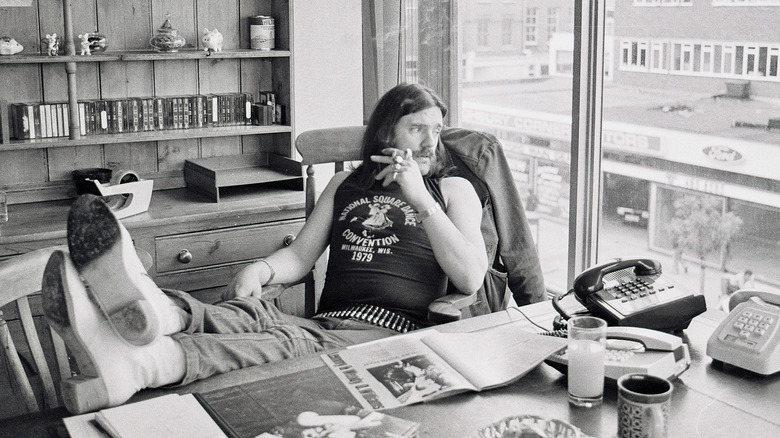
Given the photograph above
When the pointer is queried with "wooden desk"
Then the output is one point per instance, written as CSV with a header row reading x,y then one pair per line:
x,y
707,401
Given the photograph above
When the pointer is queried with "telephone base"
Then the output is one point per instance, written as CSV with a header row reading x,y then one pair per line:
x,y
670,317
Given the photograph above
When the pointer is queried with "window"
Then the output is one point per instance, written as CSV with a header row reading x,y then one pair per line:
x,y
666,138
530,27
552,22
745,2
506,31
483,24
662,2
657,62
634,55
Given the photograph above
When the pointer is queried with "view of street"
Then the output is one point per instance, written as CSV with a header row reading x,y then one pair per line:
x,y
631,241
617,238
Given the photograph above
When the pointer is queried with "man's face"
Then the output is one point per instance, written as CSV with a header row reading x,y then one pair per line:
x,y
419,132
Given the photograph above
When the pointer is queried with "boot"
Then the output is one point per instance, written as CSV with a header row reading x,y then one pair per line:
x,y
110,369
103,252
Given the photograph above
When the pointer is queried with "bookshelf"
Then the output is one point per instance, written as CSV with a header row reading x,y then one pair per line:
x,y
248,223
39,170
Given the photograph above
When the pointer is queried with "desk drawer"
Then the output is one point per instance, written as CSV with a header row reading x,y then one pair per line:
x,y
224,246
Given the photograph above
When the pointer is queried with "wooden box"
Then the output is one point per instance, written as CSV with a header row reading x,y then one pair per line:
x,y
212,176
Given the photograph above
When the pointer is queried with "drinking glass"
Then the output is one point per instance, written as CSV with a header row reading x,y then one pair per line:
x,y
585,352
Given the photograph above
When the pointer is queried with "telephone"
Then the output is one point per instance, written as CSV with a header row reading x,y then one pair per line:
x,y
637,350
749,337
632,292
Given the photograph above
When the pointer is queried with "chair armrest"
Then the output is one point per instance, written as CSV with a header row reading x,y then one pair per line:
x,y
448,308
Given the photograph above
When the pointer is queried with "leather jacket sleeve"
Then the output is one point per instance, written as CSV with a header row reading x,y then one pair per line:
x,y
479,157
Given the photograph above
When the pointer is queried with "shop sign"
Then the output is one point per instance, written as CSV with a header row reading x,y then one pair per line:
x,y
722,154
631,141
697,184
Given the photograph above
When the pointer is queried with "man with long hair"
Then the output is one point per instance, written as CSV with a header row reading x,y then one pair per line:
x,y
398,228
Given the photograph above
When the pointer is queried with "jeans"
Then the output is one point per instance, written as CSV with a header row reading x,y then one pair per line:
x,y
248,331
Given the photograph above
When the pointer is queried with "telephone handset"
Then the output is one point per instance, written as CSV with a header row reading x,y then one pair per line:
x,y
637,350
749,337
632,292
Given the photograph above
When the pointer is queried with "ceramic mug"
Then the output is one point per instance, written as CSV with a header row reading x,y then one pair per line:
x,y
643,406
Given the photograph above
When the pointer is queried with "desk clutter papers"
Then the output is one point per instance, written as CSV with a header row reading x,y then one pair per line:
x,y
359,424
168,416
272,408
403,370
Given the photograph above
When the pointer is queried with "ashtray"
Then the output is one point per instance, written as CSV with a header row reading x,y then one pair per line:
x,y
530,426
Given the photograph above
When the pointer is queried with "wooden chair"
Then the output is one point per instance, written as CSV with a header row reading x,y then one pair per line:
x,y
20,283
340,146
20,277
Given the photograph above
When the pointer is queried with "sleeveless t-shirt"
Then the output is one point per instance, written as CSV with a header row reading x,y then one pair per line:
x,y
379,253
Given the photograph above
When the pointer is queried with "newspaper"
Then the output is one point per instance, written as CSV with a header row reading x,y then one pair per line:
x,y
422,366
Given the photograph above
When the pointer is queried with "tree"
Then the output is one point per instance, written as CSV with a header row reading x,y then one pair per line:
x,y
700,226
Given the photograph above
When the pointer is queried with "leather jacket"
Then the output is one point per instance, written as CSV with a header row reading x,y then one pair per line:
x,y
479,157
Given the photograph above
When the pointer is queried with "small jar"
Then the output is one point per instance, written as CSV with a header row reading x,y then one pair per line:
x,y
167,38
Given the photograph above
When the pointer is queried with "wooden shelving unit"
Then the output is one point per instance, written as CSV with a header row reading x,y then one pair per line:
x,y
36,173
36,169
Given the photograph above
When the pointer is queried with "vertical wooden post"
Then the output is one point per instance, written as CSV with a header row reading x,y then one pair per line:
x,y
5,123
70,69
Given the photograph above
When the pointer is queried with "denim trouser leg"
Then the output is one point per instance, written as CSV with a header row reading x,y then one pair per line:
x,y
247,331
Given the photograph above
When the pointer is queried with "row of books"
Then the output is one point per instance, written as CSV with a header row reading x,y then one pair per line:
x,y
140,114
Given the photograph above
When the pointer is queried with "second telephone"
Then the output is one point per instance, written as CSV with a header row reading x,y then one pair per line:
x,y
749,337
632,292
637,350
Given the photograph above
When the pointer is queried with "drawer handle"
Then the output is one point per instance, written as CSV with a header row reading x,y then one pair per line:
x,y
288,239
184,256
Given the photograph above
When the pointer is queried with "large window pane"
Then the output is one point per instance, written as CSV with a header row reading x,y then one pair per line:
x,y
694,135
522,94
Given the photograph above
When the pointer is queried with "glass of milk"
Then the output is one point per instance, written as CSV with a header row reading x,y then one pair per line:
x,y
585,354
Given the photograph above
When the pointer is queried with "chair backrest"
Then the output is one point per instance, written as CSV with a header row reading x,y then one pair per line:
x,y
330,145
20,278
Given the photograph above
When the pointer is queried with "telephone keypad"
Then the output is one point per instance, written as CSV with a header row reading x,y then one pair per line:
x,y
635,289
752,324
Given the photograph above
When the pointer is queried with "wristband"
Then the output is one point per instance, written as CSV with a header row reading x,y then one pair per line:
x,y
428,212
270,268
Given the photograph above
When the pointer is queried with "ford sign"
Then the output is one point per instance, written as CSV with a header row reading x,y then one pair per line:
x,y
722,154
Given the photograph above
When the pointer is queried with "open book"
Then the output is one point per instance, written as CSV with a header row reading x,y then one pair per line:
x,y
426,365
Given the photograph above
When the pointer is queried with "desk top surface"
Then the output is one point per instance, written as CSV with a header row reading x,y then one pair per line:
x,y
708,401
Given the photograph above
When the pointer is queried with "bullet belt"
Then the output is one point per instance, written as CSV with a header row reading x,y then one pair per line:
x,y
373,315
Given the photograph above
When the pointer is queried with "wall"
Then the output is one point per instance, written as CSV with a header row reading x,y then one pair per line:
x,y
327,71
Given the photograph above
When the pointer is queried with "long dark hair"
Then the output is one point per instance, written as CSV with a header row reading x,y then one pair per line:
x,y
401,100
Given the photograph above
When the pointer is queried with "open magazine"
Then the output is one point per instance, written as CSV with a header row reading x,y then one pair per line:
x,y
426,365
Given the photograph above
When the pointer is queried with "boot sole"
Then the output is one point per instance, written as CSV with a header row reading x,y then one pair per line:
x,y
94,241
87,391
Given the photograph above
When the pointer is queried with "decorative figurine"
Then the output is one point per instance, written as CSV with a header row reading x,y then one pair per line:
x,y
97,42
212,40
9,46
167,38
85,44
52,44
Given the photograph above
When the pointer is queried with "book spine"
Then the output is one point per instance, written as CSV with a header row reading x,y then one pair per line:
x,y
82,119
44,114
60,119
20,122
66,119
